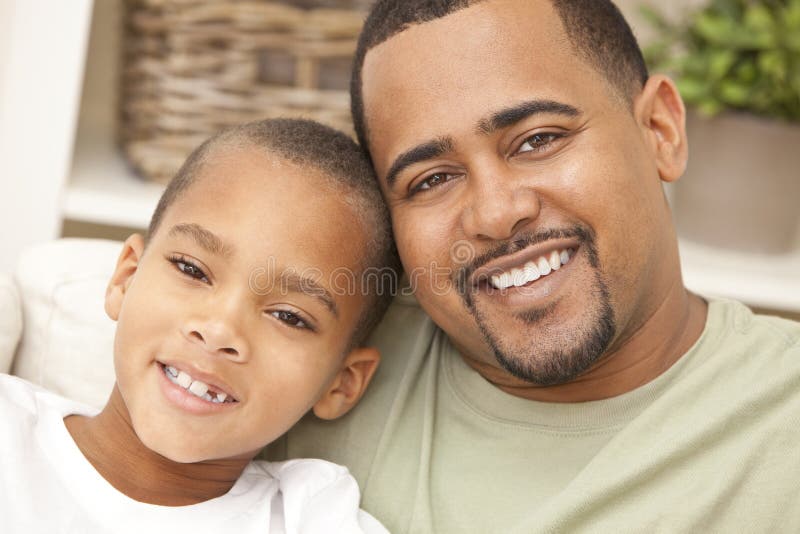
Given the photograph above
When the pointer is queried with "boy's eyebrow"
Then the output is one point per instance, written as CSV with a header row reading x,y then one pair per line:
x,y
203,237
296,283
518,112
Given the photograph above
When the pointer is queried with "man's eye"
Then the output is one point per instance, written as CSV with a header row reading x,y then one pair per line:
x,y
432,181
291,319
537,142
189,269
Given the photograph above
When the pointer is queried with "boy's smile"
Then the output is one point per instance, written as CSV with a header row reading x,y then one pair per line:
x,y
211,364
193,394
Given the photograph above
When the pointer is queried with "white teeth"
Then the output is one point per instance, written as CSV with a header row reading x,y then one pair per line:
x,y
532,271
505,281
518,277
555,260
198,388
544,266
195,387
184,380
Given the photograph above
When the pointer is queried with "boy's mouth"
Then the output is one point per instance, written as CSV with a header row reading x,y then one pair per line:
x,y
198,388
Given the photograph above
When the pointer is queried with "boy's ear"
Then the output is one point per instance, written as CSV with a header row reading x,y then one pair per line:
x,y
127,264
349,384
661,114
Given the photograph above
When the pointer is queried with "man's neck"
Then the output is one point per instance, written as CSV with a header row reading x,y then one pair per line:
x,y
111,445
660,341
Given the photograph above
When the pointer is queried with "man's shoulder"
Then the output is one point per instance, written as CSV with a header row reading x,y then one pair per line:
x,y
743,355
741,327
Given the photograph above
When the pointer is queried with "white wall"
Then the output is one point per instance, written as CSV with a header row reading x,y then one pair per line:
x,y
42,51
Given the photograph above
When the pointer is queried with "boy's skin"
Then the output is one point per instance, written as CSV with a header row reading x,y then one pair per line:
x,y
278,353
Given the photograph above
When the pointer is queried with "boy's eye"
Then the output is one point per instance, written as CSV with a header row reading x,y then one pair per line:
x,y
538,142
291,319
188,268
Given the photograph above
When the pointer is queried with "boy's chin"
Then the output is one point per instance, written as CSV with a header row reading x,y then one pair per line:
x,y
175,450
193,453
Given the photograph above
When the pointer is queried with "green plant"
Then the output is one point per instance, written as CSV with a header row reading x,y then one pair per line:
x,y
733,54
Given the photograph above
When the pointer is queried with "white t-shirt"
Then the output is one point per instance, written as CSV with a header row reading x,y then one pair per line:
x,y
48,486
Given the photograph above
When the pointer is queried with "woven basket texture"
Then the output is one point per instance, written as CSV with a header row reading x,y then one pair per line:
x,y
194,67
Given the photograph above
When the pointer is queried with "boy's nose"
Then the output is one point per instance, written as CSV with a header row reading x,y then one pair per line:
x,y
218,337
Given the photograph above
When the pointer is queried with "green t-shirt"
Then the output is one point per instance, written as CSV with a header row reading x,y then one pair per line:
x,y
711,445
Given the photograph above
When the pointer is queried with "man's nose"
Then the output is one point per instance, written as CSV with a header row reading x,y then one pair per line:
x,y
499,203
219,329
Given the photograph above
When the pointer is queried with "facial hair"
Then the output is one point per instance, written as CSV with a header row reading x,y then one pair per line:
x,y
574,354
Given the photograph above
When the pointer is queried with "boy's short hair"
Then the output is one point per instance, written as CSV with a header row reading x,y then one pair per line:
x,y
341,160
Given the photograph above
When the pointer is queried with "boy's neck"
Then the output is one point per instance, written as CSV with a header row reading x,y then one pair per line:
x,y
111,445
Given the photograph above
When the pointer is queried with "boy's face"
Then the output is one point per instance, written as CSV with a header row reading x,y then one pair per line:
x,y
234,292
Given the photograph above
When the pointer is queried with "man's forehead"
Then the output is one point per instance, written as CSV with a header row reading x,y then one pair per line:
x,y
451,72
483,22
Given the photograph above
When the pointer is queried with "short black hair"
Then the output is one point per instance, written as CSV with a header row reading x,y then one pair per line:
x,y
596,29
345,165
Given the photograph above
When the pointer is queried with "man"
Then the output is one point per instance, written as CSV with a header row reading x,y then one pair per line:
x,y
570,382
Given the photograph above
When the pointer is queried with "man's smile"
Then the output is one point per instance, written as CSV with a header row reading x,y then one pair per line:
x,y
525,266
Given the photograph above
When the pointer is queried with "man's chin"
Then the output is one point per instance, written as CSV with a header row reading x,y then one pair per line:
x,y
539,347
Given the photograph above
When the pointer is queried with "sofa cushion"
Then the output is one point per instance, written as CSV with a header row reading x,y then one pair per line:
x,y
10,321
67,342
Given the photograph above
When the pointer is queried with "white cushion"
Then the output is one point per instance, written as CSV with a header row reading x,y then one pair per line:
x,y
67,343
10,321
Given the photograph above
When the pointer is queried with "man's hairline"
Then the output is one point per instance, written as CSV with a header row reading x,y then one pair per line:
x,y
615,92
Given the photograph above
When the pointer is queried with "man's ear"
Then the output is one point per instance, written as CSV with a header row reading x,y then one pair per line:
x,y
349,384
127,264
660,112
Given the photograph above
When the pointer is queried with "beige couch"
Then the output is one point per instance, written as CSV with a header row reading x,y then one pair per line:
x,y
53,329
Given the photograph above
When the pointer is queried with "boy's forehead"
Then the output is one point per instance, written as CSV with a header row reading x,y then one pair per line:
x,y
256,201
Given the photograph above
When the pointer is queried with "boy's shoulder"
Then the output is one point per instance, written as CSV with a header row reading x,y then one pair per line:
x,y
21,402
18,396
322,495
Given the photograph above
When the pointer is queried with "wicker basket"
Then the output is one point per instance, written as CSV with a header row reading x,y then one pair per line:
x,y
193,67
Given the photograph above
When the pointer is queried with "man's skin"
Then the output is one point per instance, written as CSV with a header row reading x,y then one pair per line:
x,y
529,149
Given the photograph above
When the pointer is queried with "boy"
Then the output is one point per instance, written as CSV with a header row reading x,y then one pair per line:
x,y
232,322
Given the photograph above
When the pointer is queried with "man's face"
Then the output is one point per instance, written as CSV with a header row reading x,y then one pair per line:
x,y
503,152
248,313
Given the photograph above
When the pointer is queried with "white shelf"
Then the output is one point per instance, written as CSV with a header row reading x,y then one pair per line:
x,y
103,189
762,280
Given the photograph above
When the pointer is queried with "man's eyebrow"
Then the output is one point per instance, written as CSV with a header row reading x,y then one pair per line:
x,y
424,151
203,237
514,114
296,283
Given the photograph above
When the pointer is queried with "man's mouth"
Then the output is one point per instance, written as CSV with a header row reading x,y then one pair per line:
x,y
198,388
531,270
525,266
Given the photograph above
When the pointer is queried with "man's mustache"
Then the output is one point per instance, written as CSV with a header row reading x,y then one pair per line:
x,y
461,277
